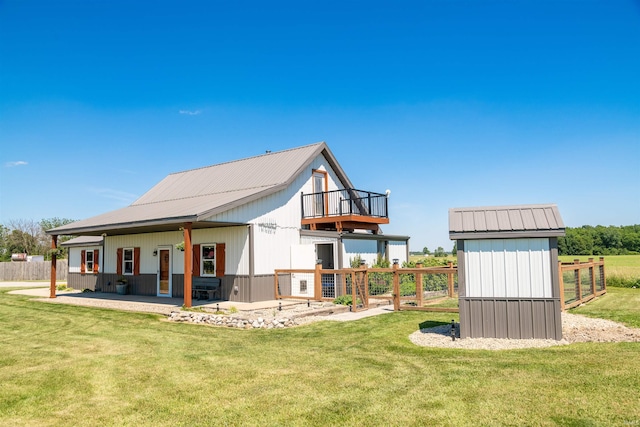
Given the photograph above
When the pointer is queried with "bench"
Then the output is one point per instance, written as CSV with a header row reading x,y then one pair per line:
x,y
202,287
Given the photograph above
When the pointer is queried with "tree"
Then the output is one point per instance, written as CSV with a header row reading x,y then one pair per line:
x,y
454,251
426,251
439,252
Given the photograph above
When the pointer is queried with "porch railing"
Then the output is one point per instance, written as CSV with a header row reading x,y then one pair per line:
x,y
345,202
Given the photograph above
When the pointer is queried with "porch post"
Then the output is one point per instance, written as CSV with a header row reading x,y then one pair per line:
x,y
188,264
52,286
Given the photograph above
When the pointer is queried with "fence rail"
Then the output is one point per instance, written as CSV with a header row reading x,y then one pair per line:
x,y
580,282
37,270
407,288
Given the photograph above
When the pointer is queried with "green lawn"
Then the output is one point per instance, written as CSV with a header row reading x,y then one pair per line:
x,y
63,365
615,265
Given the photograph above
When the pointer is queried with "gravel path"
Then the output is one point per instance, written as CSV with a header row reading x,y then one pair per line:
x,y
575,328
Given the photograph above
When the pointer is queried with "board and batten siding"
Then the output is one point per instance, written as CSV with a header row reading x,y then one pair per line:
x,y
234,238
509,268
75,257
276,219
397,250
366,249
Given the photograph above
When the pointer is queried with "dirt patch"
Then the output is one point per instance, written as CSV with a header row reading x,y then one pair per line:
x,y
575,328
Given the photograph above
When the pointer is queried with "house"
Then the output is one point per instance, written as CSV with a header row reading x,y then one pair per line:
x,y
236,222
508,280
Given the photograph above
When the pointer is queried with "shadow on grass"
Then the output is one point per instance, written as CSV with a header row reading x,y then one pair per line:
x,y
431,324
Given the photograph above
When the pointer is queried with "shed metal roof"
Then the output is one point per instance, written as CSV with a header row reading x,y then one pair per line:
x,y
542,220
197,194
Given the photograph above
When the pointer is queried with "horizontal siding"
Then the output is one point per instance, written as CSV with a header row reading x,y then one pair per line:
x,y
510,318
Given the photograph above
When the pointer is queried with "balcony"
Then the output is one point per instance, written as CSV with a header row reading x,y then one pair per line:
x,y
345,210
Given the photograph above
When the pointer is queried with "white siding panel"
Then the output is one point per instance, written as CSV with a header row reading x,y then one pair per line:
x,y
398,250
367,249
511,268
74,260
498,267
472,263
486,269
236,240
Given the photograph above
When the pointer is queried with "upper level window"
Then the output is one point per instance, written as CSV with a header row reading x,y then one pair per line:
x,y
208,259
89,261
127,261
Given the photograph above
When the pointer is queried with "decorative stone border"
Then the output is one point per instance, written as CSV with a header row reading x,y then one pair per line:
x,y
230,321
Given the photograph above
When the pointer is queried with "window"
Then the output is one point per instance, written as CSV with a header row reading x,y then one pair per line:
x,y
127,260
208,259
89,261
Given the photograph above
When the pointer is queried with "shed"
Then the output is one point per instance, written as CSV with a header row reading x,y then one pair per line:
x,y
508,284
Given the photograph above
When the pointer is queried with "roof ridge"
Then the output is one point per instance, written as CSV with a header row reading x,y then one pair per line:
x,y
248,158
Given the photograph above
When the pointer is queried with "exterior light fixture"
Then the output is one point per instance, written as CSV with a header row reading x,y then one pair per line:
x,y
155,252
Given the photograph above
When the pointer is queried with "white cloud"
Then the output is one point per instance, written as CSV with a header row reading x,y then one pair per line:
x,y
190,113
18,163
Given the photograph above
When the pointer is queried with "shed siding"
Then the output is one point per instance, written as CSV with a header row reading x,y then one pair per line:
x,y
367,249
75,258
502,268
536,318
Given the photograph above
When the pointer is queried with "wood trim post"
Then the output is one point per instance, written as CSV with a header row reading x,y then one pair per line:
x,y
317,282
354,292
603,276
450,281
188,264
276,294
561,285
396,287
419,289
54,260
592,274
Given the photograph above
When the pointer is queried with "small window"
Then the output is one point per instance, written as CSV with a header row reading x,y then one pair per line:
x,y
303,286
89,261
127,261
208,267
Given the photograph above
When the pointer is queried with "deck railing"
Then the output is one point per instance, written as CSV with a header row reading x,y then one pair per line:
x,y
580,282
345,202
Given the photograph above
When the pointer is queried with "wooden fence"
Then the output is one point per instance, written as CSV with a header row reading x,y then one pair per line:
x,y
39,270
406,288
580,282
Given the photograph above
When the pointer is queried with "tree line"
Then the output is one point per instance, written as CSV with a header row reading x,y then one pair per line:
x,y
28,236
600,240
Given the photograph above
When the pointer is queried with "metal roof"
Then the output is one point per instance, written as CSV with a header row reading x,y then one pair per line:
x,y
542,220
83,241
197,194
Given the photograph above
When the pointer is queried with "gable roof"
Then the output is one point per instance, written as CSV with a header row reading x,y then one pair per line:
x,y
496,222
197,194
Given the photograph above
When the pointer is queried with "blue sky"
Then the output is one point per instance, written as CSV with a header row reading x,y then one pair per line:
x,y
445,103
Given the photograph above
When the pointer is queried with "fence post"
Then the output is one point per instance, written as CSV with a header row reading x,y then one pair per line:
x,y
561,284
603,277
317,281
592,276
450,280
576,273
419,290
354,292
53,273
275,284
396,287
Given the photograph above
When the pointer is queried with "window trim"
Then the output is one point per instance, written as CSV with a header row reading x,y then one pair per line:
x,y
124,262
202,259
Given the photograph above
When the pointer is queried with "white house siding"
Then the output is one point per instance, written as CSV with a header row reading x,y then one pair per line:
x,y
75,257
276,219
512,268
366,249
235,239
398,250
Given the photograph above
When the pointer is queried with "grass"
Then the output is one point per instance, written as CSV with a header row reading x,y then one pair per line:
x,y
619,304
63,365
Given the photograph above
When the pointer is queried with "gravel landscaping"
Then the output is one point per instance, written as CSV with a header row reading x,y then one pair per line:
x,y
575,328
